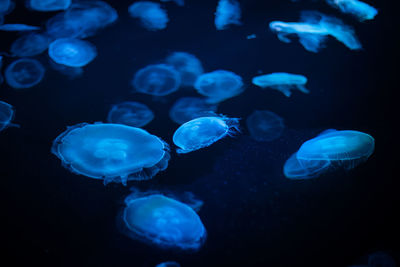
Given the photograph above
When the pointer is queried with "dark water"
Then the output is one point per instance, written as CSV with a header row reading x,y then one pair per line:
x,y
253,215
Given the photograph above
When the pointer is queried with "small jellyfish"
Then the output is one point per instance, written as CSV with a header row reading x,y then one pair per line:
x,y
219,85
24,73
72,52
188,66
202,132
228,13
6,115
48,5
358,9
130,113
283,82
151,15
296,170
189,108
168,264
30,45
265,125
158,80
18,27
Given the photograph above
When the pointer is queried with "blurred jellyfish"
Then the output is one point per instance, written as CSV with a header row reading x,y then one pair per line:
x,y
6,6
283,82
18,27
381,259
6,115
359,9
130,113
112,152
30,45
168,264
151,15
70,72
189,108
228,13
24,73
265,125
296,170
251,36
72,52
178,2
188,66
48,5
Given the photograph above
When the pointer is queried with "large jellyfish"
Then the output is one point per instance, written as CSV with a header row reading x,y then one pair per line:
x,y
202,132
24,73
48,5
188,66
30,45
296,170
151,15
219,85
359,9
130,113
158,80
168,264
6,115
265,125
112,152
72,52
282,81
18,27
228,13
189,108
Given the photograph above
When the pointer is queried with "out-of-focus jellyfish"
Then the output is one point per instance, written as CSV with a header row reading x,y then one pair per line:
x,y
30,45
296,170
151,15
18,27
158,80
24,73
381,259
359,9
70,72
188,66
189,108
228,13
48,5
168,264
130,113
202,132
6,6
219,85
72,52
283,82
265,125
251,36
178,2
112,152
6,115
163,221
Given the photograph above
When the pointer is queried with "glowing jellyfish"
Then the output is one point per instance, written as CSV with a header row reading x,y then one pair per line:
x,y
6,115
24,73
359,9
151,15
228,13
158,80
188,66
202,132
189,108
265,125
6,6
48,5
30,45
164,222
296,170
283,82
18,27
130,113
72,52
219,85
168,264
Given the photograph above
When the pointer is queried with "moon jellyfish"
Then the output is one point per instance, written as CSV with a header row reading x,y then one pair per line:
x,y
18,27
188,66
72,52
296,170
48,5
202,132
30,45
219,85
158,80
189,108
151,15
130,113
6,115
228,13
24,73
112,152
283,82
168,264
265,125
359,9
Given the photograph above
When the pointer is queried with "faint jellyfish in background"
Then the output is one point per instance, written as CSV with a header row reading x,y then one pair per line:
x,y
295,170
72,52
24,73
381,259
48,5
188,66
228,13
6,6
70,72
151,15
6,115
178,2
189,108
283,82
29,45
130,113
265,125
362,11
168,264
18,27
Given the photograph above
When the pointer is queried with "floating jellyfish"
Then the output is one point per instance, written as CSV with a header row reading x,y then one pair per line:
x,y
296,170
189,108
265,125
168,264
6,115
130,113
202,132
228,13
188,66
359,9
6,6
112,152
381,259
178,2
151,15
283,82
72,52
158,80
24,73
18,27
48,5
30,45
163,221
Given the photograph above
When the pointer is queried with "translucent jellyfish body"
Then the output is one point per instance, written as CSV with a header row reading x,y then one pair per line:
x,y
151,15
228,13
189,108
202,132
296,170
24,73
72,52
219,85
30,45
6,115
130,113
158,80
112,152
48,5
164,222
358,9
283,82
168,264
188,66
265,125
18,27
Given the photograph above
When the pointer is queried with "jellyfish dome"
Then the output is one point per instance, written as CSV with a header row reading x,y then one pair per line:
x,y
282,81
6,6
112,152
151,15
49,5
164,222
296,170
158,80
189,108
30,45
6,115
202,132
72,52
130,113
265,125
188,66
228,13
24,73
168,264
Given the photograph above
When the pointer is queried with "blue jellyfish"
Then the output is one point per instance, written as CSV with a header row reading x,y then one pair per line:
x,y
48,5
202,132
151,15
381,259
30,45
6,115
130,113
219,85
189,108
265,125
72,52
228,13
296,170
18,27
251,36
178,2
6,6
168,264
358,9
158,80
188,66
163,221
283,82
24,73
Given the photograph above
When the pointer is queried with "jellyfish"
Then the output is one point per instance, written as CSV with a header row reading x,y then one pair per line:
x,y
178,2
18,27
361,10
24,73
72,52
283,82
219,85
168,264
381,259
48,5
6,6
188,66
130,113
228,13
189,108
30,45
6,115
296,170
158,80
151,15
265,125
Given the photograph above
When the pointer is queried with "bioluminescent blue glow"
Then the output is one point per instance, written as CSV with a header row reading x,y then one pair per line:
x,y
70,72
30,45
219,85
228,13
168,264
72,52
130,113
6,115
151,15
189,108
1,65
112,152
24,73
188,66
265,125
6,6
296,170
283,82
251,36
359,9
381,259
48,5
18,27
158,80
178,2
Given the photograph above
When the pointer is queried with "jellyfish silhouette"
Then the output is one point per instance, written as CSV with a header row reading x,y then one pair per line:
x,y
18,27
6,115
265,125
228,13
168,264
282,81
130,113
296,170
24,73
48,5
188,66
189,108
362,11
72,52
30,45
151,15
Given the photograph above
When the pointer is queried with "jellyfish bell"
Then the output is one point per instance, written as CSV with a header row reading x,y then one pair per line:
x,y
29,45
228,13
151,15
6,6
72,52
295,170
130,113
24,73
6,116
48,5
265,125
188,66
282,81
